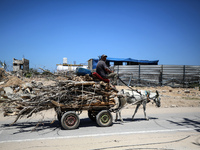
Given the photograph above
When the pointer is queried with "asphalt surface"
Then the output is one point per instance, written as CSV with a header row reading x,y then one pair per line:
x,y
168,128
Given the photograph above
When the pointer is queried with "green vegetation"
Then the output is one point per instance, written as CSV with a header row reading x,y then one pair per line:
x,y
191,98
31,73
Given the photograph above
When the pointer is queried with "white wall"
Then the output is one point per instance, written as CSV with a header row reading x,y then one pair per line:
x,y
61,68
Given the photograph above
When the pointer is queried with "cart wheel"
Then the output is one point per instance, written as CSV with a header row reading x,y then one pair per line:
x,y
92,115
104,118
70,120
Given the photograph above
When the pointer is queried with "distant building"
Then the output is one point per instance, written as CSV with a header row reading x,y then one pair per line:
x,y
20,65
92,63
68,67
65,67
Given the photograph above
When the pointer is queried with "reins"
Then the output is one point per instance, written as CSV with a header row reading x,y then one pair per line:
x,y
128,86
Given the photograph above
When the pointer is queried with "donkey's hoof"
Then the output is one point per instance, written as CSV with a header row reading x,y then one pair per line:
x,y
121,121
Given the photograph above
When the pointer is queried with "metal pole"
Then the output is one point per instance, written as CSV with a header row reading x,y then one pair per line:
x,y
139,74
161,75
118,74
184,76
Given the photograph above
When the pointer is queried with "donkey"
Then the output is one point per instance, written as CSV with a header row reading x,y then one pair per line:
x,y
138,98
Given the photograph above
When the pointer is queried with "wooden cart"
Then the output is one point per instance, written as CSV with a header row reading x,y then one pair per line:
x,y
99,112
69,98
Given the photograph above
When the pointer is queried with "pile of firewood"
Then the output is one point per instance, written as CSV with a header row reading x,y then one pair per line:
x,y
68,94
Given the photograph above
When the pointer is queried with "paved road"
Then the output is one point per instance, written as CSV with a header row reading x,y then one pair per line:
x,y
168,128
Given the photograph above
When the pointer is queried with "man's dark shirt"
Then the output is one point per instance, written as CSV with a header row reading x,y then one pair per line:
x,y
100,69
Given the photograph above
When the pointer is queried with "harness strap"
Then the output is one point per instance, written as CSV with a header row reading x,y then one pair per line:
x,y
128,86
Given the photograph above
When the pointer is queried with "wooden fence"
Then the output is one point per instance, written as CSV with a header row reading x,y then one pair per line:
x,y
159,75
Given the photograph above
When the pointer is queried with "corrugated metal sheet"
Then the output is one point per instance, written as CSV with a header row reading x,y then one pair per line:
x,y
172,75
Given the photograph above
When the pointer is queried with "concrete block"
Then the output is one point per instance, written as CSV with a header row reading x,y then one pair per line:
x,y
8,90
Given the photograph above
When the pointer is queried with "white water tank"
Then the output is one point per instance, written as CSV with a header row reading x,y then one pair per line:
x,y
61,68
64,60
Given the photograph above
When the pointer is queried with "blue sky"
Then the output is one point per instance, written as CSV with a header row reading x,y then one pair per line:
x,y
45,31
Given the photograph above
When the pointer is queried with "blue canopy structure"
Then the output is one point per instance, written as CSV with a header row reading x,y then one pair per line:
x,y
120,61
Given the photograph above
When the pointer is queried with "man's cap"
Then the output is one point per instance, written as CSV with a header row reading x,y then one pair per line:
x,y
103,56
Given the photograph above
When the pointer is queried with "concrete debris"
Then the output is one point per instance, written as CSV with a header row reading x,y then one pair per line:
x,y
8,90
1,83
187,91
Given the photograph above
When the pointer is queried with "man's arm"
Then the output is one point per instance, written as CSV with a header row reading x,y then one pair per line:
x,y
108,70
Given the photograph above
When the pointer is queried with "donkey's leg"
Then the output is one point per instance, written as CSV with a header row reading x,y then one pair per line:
x,y
120,116
144,109
118,113
138,105
116,118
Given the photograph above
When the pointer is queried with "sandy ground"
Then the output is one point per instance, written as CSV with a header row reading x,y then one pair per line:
x,y
184,140
153,141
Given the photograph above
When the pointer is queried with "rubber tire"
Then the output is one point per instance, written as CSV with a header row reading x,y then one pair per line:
x,y
70,120
104,118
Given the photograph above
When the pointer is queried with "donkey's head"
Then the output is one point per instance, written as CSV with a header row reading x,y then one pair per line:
x,y
156,99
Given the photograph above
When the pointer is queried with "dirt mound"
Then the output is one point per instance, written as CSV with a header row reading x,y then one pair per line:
x,y
61,78
13,81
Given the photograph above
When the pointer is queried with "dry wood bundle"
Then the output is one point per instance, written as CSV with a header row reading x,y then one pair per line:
x,y
34,98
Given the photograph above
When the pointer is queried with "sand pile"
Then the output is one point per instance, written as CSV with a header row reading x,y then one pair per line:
x,y
7,79
13,81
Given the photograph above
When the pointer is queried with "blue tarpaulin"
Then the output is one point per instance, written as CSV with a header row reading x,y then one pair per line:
x,y
82,71
128,60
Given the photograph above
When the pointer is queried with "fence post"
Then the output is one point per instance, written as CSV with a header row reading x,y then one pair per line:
x,y
199,77
161,75
184,76
118,74
139,74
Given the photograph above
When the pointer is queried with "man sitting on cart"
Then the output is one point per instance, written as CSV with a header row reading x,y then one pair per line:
x,y
103,70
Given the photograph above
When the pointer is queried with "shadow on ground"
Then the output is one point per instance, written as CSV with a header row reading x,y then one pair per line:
x,y
136,119
188,123
22,127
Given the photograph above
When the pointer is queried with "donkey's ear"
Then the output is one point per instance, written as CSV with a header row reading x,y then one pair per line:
x,y
157,93
122,90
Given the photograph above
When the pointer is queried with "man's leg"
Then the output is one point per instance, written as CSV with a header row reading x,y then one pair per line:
x,y
114,76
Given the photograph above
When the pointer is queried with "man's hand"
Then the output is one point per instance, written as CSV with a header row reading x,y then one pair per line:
x,y
109,71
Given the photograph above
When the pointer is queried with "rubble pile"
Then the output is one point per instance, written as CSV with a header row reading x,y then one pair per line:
x,y
3,76
25,98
